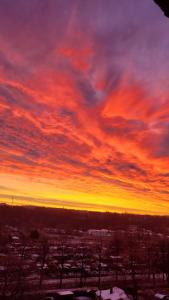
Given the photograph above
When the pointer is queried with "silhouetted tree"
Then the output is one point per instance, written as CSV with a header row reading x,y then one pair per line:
x,y
34,234
132,252
61,260
44,251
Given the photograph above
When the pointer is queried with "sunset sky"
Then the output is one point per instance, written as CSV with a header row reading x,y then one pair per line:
x,y
84,104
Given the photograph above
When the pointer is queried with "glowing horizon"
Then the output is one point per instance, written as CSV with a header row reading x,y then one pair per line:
x,y
84,105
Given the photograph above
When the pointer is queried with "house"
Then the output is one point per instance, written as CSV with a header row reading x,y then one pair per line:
x,y
111,294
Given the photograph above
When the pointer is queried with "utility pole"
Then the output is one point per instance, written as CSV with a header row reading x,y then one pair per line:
x,y
12,200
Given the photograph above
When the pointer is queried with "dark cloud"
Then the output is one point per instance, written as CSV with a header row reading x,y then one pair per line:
x,y
123,127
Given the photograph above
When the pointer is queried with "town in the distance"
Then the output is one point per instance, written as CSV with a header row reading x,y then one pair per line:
x,y
53,254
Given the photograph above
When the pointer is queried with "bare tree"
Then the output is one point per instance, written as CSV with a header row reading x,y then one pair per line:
x,y
132,252
61,260
99,253
83,257
164,254
21,274
44,250
9,279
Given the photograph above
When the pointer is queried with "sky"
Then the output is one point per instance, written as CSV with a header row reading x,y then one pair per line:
x,y
84,105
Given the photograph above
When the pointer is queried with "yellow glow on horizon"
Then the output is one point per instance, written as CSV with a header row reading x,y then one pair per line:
x,y
28,192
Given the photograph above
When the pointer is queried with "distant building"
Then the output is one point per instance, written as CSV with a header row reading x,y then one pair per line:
x,y
99,232
133,228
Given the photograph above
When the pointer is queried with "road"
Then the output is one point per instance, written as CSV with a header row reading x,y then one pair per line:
x,y
93,281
